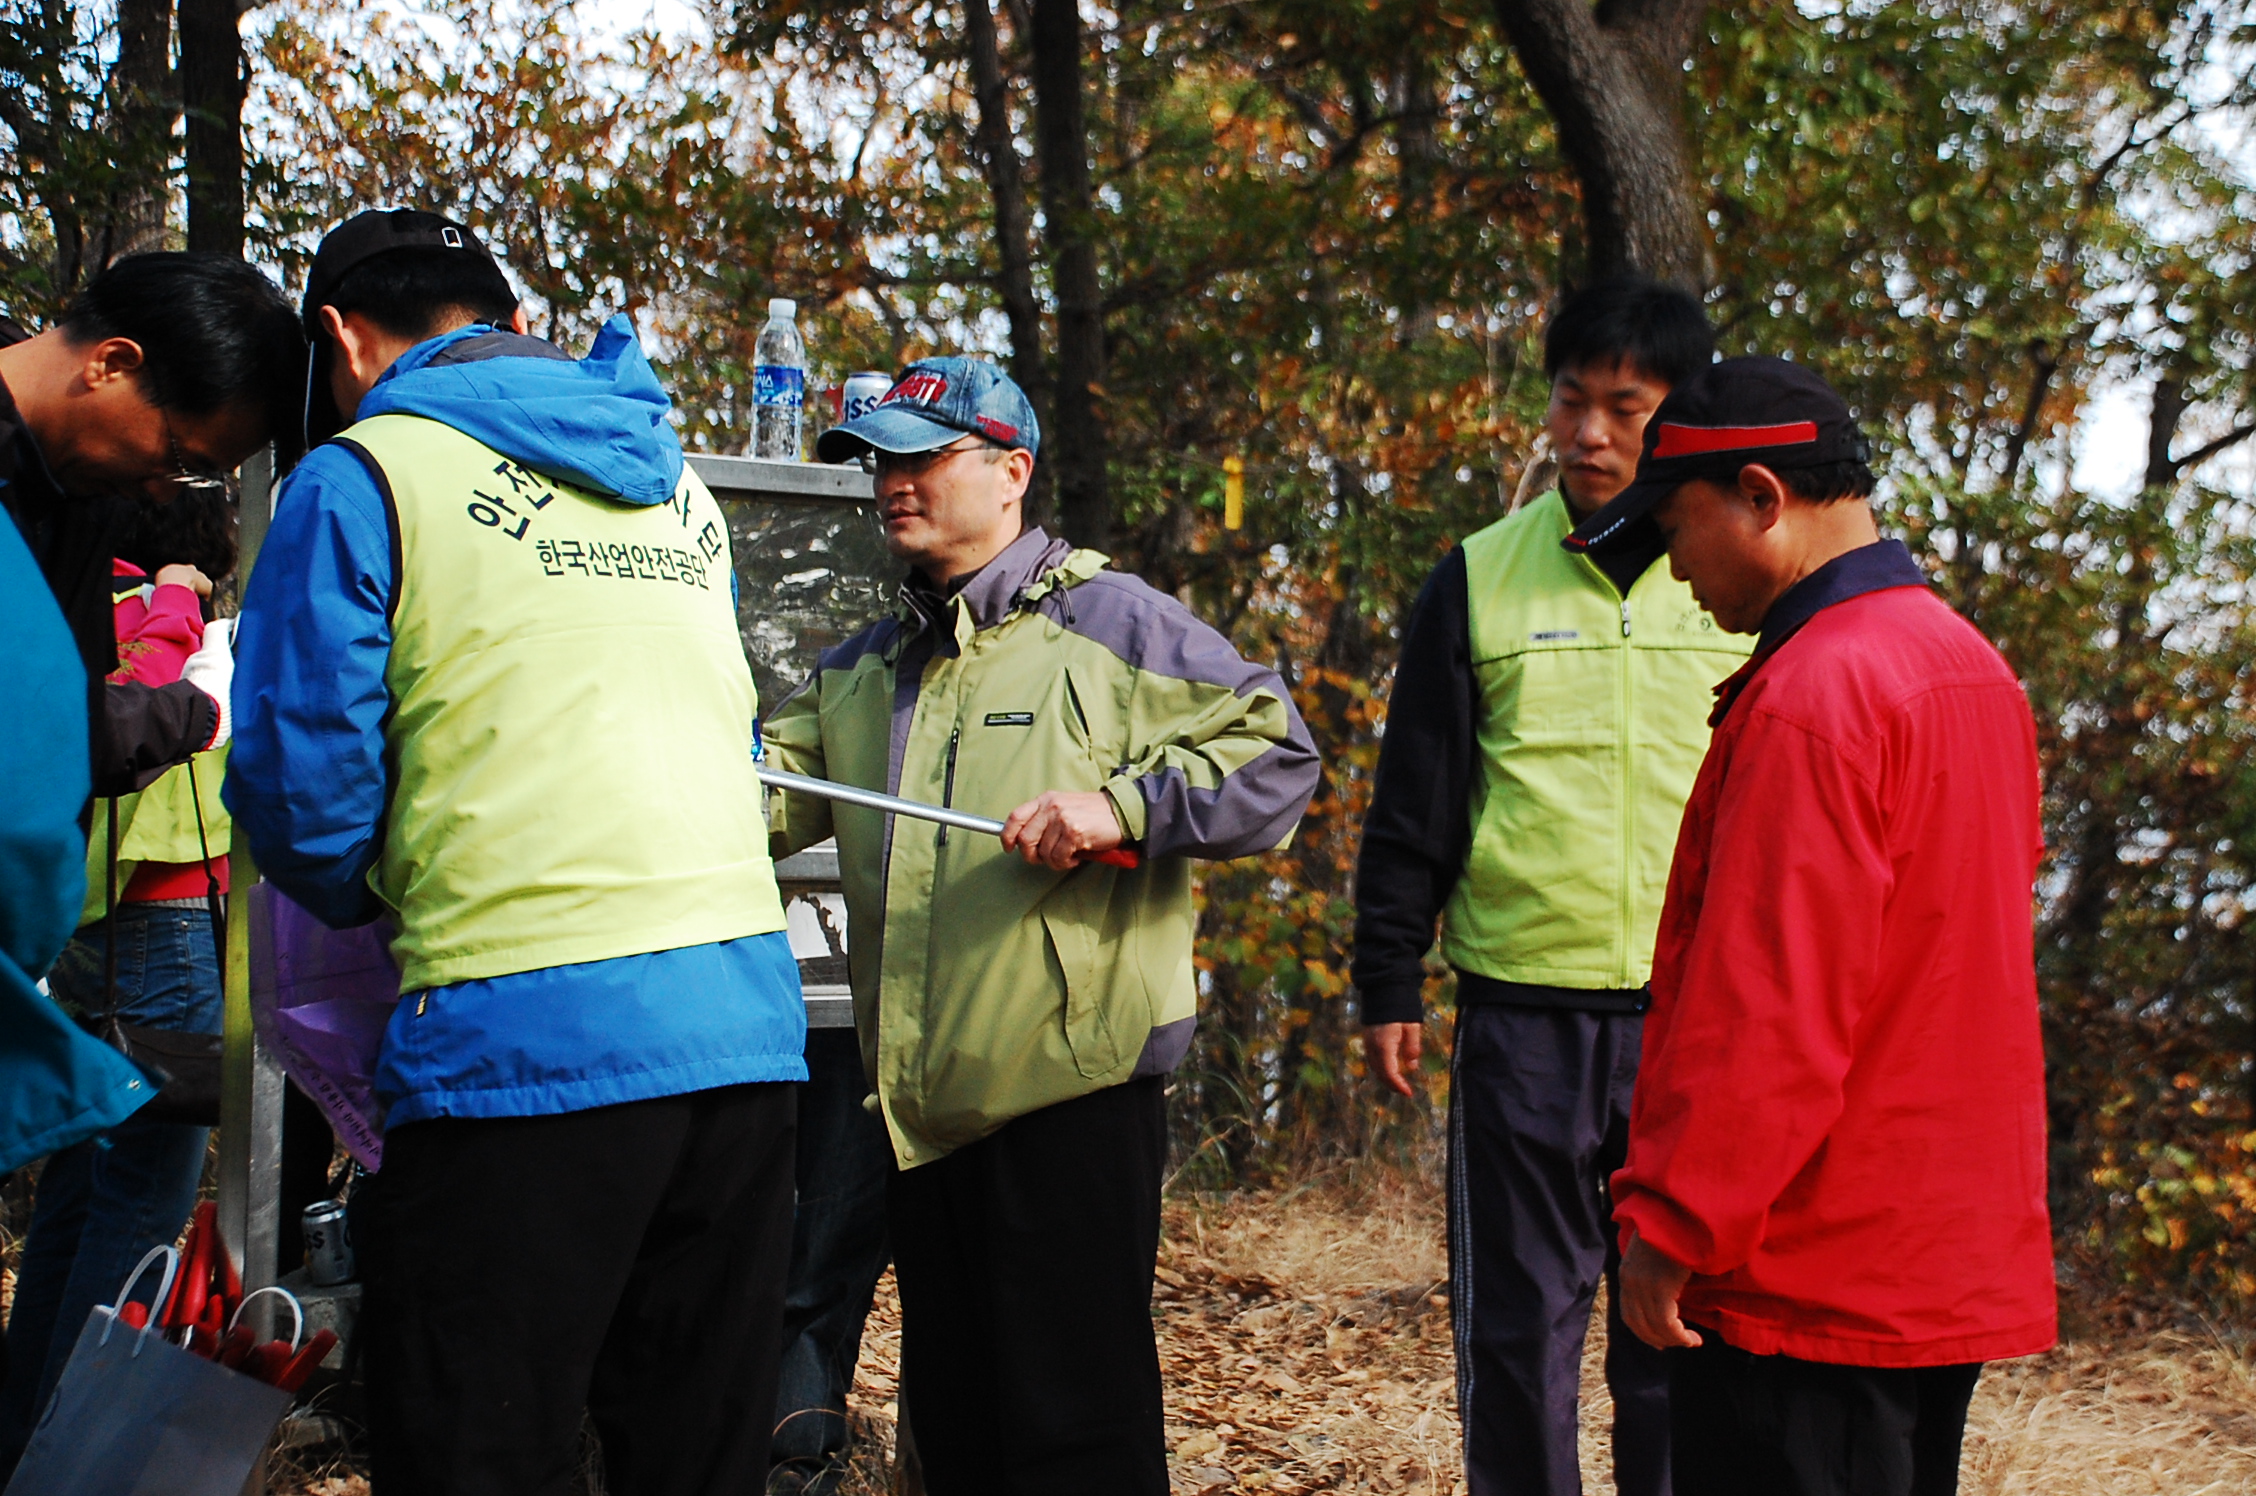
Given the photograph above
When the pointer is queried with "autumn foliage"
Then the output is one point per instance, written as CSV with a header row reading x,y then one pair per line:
x,y
2018,236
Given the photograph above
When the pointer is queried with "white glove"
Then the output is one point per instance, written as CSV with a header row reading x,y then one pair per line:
x,y
211,670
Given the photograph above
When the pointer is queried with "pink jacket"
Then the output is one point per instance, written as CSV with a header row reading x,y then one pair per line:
x,y
156,634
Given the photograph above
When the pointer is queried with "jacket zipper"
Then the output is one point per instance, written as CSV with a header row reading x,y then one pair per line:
x,y
1080,717
1628,801
948,782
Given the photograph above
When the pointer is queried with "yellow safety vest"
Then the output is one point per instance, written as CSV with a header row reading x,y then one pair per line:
x,y
158,824
571,722
1593,720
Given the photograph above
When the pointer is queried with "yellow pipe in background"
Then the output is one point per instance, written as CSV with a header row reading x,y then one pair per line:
x,y
1233,492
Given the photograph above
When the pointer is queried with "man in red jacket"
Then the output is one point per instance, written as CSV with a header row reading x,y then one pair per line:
x,y
1833,1206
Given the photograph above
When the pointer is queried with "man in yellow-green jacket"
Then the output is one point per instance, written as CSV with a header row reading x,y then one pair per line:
x,y
1542,734
1019,1007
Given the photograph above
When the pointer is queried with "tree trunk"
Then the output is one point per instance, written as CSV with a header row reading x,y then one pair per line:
x,y
142,111
1062,137
211,92
1006,185
40,39
1612,77
1415,155
2163,419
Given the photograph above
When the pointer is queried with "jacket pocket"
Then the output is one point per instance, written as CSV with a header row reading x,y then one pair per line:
x,y
1090,1031
1096,720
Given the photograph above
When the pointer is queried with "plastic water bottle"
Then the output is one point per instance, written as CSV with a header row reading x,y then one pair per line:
x,y
779,383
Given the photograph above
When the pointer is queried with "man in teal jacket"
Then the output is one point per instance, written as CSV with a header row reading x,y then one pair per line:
x,y
1545,725
490,683
58,1085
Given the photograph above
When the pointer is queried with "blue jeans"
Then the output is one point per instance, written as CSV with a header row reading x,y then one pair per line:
x,y
838,1252
102,1204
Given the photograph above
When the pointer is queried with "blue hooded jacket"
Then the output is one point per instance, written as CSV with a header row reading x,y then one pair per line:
x,y
308,782
58,1085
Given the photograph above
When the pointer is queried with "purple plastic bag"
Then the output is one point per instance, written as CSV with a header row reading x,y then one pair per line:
x,y
320,1000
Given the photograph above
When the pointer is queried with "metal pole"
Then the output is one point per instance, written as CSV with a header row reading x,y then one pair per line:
x,y
878,800
250,1097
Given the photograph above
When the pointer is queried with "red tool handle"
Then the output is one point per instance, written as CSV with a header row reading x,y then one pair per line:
x,y
265,1363
230,1281
300,1367
187,1307
1117,857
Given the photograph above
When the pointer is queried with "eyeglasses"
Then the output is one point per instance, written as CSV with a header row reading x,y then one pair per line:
x,y
916,464
182,475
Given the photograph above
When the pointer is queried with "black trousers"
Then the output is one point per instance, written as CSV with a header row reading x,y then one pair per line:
x,y
1749,1425
838,1252
1025,1265
1538,1120
628,1260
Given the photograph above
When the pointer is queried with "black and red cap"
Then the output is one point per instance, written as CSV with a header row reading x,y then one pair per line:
x,y
1756,409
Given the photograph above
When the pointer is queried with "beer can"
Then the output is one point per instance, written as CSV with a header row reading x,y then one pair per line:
x,y
863,391
328,1243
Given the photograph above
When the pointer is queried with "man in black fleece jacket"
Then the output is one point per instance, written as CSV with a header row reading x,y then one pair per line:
x,y
166,370
1527,797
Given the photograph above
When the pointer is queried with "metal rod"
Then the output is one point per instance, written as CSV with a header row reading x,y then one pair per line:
x,y
876,800
250,1100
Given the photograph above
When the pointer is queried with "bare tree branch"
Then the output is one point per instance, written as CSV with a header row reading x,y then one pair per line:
x,y
2207,450
2044,363
2167,410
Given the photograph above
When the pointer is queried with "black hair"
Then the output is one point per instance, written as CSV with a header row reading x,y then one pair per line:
x,y
1829,482
410,293
1658,329
213,332
195,528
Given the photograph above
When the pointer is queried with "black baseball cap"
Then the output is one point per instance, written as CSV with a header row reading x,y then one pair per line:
x,y
1742,410
358,239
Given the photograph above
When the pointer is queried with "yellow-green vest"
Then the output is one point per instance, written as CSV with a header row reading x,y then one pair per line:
x,y
1593,719
158,824
571,720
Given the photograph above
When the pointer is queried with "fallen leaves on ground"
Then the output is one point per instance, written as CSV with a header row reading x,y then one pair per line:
x,y
1304,1341
1304,1338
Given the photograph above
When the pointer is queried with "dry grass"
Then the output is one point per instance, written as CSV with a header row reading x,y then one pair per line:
x,y
2176,1414
1305,1340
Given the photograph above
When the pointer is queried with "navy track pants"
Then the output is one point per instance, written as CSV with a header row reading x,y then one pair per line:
x,y
1538,1120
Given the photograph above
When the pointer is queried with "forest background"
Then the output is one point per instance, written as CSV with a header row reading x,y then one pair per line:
x,y
1313,241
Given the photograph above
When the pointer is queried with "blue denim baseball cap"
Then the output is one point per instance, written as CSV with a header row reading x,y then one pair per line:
x,y
933,402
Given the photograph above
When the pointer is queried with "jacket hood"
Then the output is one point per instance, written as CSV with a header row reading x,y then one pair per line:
x,y
597,423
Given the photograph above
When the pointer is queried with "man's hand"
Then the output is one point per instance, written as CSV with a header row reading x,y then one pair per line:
x,y
1651,1282
1062,827
181,574
1395,1049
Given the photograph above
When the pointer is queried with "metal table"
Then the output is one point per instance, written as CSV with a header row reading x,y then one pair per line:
x,y
810,569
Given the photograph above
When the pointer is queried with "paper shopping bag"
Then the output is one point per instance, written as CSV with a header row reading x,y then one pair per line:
x,y
135,1415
